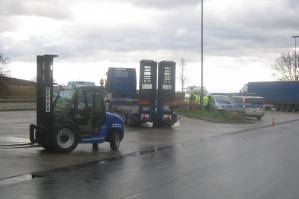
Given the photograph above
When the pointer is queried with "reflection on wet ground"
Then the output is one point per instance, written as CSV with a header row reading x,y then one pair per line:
x,y
22,159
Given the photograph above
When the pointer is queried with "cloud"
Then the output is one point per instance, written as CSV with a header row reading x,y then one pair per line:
x,y
232,28
57,9
126,31
158,4
166,3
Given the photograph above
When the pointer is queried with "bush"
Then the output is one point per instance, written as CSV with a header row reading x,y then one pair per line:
x,y
221,116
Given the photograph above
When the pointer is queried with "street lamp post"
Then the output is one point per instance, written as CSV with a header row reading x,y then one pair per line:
x,y
296,66
201,94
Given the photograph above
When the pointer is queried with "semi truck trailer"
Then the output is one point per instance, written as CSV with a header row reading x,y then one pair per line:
x,y
284,95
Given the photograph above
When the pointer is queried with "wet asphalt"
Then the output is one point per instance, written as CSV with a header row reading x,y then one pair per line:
x,y
256,164
19,160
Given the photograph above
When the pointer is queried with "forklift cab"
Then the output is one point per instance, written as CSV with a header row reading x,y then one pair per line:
x,y
83,106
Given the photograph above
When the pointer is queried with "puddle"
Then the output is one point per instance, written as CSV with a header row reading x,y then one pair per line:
x,y
14,142
14,139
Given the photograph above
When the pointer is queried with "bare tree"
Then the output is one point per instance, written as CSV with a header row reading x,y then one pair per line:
x,y
286,67
3,65
183,74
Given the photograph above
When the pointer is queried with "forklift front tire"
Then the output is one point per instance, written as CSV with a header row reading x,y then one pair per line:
x,y
65,139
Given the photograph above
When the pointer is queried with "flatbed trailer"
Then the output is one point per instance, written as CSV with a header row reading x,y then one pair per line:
x,y
153,103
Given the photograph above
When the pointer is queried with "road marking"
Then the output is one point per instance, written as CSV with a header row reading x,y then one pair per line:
x,y
135,196
14,139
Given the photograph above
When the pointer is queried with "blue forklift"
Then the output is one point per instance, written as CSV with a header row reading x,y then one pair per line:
x,y
67,116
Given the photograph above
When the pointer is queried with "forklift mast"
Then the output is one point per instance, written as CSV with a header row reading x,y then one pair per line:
x,y
44,93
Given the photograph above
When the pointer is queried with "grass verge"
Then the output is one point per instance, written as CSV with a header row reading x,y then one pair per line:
x,y
216,116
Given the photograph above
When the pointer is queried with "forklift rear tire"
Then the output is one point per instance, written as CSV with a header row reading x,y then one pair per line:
x,y
65,139
114,140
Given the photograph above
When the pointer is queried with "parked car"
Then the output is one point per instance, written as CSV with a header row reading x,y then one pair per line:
x,y
252,106
219,102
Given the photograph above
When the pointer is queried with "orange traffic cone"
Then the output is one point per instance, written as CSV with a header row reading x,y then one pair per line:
x,y
273,122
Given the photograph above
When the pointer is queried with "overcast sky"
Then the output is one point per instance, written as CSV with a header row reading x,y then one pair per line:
x,y
242,37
